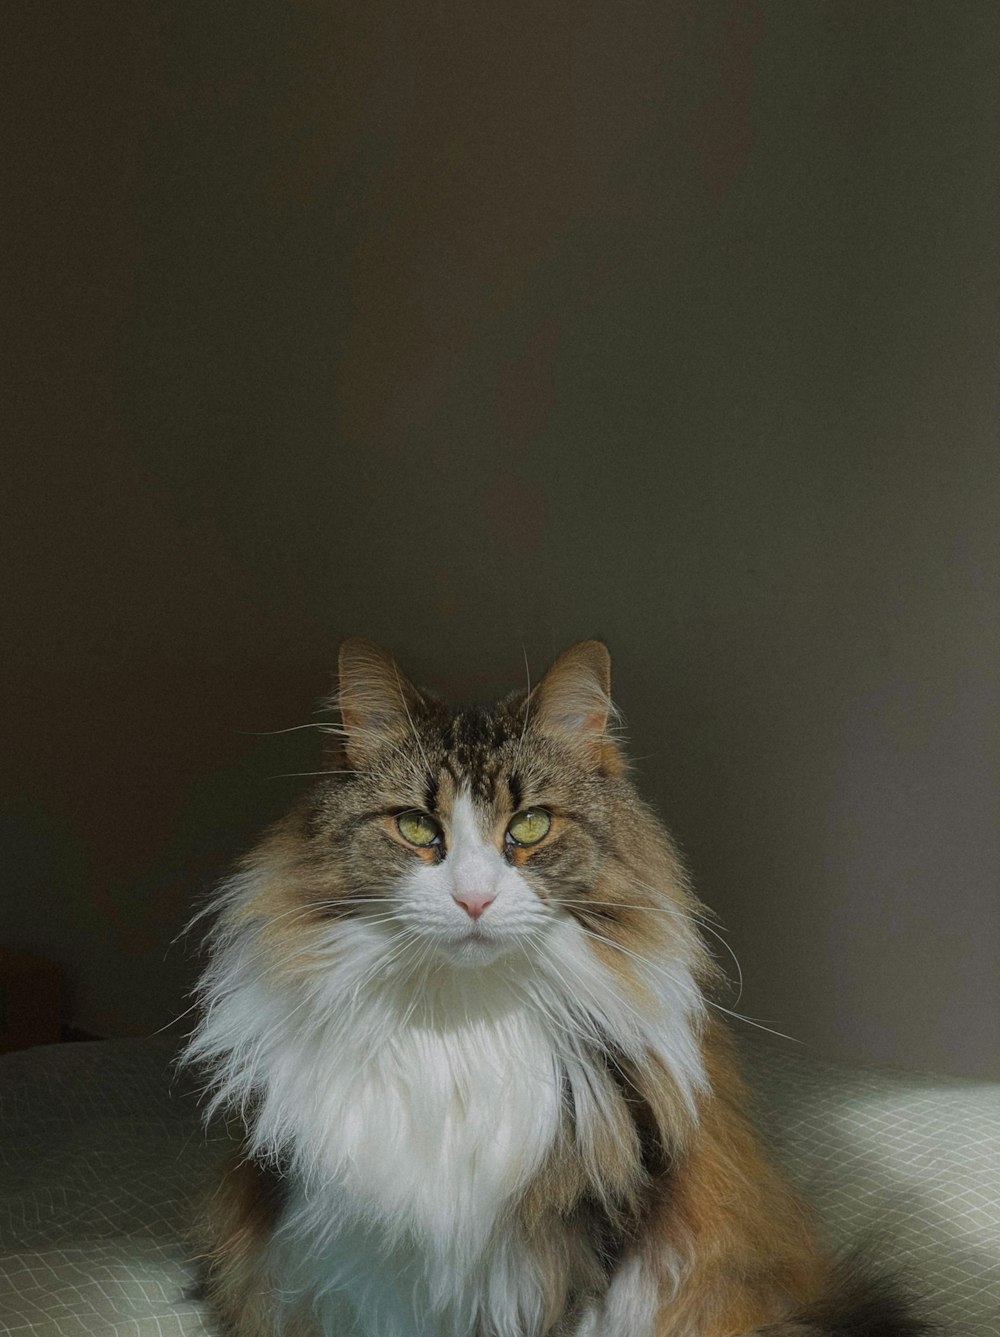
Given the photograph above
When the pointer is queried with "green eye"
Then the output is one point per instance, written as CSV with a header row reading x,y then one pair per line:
x,y
528,827
418,828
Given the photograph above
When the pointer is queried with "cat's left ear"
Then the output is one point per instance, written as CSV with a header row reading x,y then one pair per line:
x,y
377,701
572,703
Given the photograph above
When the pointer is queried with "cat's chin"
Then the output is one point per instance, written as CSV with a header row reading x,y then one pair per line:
x,y
475,949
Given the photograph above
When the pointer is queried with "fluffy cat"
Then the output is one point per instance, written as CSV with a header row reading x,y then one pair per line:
x,y
458,998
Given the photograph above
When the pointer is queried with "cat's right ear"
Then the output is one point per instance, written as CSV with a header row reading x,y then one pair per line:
x,y
572,704
375,699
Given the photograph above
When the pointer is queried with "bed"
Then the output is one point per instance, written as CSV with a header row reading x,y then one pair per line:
x,y
102,1153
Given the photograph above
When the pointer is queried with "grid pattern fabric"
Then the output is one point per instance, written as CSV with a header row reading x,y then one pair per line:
x,y
905,1166
102,1157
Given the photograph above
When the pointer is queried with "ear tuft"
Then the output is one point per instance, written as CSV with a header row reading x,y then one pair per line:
x,y
375,698
573,701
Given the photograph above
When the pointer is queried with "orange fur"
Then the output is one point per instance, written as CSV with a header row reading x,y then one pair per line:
x,y
753,1258
237,1222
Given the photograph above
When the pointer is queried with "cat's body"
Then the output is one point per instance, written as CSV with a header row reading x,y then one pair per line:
x,y
459,996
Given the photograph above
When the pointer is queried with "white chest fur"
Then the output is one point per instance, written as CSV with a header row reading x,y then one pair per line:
x,y
408,1154
415,1110
433,1131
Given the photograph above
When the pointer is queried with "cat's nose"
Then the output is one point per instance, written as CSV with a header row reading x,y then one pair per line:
x,y
474,902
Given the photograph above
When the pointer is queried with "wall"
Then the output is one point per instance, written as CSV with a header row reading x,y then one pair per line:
x,y
478,329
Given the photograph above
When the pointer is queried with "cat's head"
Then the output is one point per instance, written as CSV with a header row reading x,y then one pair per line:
x,y
471,832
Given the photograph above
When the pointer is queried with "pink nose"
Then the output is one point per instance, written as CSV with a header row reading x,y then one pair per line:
x,y
473,902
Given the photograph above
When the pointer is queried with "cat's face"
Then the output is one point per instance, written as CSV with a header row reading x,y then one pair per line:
x,y
471,833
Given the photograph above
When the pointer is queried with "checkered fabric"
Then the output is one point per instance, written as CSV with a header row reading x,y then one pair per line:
x,y
905,1165
102,1155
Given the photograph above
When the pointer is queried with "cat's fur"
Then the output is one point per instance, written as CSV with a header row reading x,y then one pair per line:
x,y
483,1093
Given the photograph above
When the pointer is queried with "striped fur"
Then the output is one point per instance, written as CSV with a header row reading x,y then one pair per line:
x,y
518,1122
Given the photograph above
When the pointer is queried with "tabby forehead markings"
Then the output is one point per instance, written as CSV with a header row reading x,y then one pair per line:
x,y
467,754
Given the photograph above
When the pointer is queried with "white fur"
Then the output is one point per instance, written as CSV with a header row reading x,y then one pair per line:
x,y
412,1074
629,1309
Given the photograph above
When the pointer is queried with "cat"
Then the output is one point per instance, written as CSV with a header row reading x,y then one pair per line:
x,y
461,1002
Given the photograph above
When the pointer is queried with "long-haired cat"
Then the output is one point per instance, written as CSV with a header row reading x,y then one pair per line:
x,y
459,999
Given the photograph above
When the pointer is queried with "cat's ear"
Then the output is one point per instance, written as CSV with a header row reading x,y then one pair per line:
x,y
572,703
375,699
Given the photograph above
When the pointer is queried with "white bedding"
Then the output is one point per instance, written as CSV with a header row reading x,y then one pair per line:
x,y
102,1154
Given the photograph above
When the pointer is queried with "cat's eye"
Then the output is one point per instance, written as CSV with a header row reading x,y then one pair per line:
x,y
418,829
529,827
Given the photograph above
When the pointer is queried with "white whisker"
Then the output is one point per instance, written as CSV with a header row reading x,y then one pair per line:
x,y
660,969
270,733
527,709
666,910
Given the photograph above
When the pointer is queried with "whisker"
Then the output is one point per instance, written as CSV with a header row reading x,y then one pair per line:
x,y
676,911
328,902
270,733
658,891
527,705
424,962
654,966
174,1020
535,1000
589,1031
669,910
294,775
383,960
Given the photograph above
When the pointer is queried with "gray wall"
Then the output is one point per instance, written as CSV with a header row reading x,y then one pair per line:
x,y
479,327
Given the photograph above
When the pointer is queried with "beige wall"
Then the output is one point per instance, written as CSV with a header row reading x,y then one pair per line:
x,y
477,327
